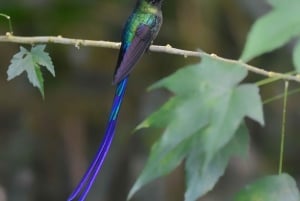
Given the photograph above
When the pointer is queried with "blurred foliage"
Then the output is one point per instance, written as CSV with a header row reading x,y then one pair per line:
x,y
275,187
204,124
45,146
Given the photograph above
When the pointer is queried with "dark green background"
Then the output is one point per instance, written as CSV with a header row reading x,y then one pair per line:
x,y
45,146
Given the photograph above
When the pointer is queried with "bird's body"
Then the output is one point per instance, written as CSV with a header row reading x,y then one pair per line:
x,y
140,30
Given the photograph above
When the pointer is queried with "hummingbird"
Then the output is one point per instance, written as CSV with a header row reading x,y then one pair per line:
x,y
140,29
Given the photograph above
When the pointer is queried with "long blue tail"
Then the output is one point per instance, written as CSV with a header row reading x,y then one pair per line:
x,y
89,177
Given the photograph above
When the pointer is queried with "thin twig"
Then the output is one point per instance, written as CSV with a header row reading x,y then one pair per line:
x,y
280,96
9,22
155,48
283,125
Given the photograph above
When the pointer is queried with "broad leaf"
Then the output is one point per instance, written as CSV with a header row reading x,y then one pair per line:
x,y
201,179
276,188
31,62
201,119
42,58
280,3
273,30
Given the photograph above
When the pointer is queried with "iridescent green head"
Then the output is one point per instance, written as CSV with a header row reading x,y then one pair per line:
x,y
155,2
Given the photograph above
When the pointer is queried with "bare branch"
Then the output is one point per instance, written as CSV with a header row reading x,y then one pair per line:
x,y
155,48
58,40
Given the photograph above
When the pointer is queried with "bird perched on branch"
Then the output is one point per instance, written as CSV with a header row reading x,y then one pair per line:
x,y
140,30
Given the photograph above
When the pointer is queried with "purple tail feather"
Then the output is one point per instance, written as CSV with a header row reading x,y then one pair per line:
x,y
89,177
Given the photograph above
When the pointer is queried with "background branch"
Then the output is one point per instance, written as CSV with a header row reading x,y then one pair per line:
x,y
154,48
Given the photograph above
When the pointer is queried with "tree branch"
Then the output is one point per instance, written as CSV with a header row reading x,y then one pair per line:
x,y
154,48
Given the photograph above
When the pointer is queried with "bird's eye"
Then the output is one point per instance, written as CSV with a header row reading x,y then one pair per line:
x,y
154,1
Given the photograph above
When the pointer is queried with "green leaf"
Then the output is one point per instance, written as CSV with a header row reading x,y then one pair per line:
x,y
201,179
31,62
280,3
201,119
276,188
40,79
296,56
17,64
42,58
273,30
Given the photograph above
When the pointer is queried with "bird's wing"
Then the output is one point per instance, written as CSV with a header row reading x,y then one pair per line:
x,y
140,43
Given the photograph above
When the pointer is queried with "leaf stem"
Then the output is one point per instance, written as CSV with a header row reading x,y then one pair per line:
x,y
272,79
9,22
279,96
286,87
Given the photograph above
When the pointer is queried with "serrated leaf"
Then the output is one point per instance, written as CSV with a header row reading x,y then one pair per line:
x,y
296,56
40,79
273,30
42,58
201,179
167,153
16,67
201,118
31,62
276,188
163,114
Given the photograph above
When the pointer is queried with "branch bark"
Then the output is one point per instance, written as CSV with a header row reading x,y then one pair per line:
x,y
9,38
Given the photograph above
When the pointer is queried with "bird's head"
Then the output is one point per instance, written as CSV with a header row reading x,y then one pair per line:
x,y
155,2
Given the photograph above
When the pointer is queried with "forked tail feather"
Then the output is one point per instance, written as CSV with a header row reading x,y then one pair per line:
x,y
84,186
